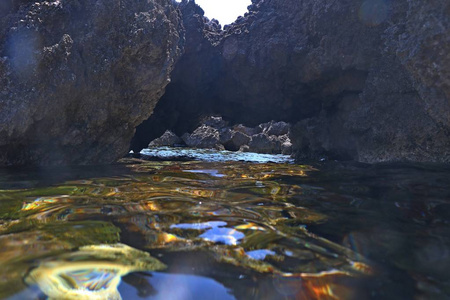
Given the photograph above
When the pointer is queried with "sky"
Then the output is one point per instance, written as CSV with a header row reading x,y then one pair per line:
x,y
226,11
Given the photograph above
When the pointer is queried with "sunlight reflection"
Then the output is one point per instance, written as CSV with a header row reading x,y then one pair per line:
x,y
93,272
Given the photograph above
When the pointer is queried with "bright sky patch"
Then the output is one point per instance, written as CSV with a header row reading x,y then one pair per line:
x,y
226,11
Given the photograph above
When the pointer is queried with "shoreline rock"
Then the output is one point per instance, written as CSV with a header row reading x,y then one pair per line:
x,y
359,80
169,139
77,77
367,81
214,133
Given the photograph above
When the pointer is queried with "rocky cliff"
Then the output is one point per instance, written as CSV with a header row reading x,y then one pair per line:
x,y
365,80
77,77
362,80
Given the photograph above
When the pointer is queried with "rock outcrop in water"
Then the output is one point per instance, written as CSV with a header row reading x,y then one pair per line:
x,y
362,80
214,133
77,77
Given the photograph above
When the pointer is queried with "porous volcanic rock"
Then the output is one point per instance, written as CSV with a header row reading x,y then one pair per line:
x,y
262,143
275,128
402,113
167,139
236,141
213,132
203,137
77,77
215,121
247,130
363,80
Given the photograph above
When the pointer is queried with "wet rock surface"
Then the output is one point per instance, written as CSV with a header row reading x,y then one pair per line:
x,y
76,77
362,80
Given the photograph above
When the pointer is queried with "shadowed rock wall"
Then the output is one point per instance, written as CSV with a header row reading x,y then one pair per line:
x,y
362,80
76,77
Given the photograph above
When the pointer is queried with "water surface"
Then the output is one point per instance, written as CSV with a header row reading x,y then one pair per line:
x,y
225,229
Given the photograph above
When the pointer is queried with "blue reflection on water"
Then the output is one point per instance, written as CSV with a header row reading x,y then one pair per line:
x,y
227,236
214,173
260,254
215,155
179,286
199,226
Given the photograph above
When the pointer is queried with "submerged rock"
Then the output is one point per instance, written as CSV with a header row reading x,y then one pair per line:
x,y
77,77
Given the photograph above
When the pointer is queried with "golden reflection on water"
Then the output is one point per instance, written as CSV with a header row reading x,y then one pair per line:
x,y
238,213
92,272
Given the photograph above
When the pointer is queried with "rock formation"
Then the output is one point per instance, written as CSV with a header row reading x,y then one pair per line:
x,y
77,77
214,133
365,80
189,99
362,80
168,139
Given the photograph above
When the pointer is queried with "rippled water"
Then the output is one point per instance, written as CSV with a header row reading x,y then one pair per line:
x,y
213,155
225,230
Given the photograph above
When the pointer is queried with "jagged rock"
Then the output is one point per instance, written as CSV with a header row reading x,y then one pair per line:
x,y
225,135
215,134
286,148
237,140
244,148
167,139
215,122
262,143
77,77
286,145
185,136
247,130
275,128
203,137
362,80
